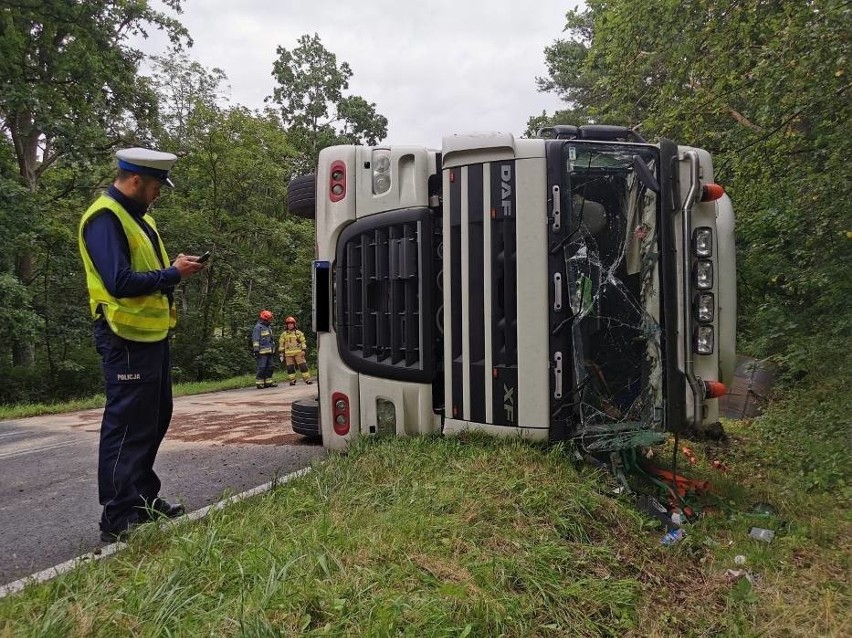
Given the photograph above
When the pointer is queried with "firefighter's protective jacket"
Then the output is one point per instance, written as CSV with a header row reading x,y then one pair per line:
x,y
292,342
261,338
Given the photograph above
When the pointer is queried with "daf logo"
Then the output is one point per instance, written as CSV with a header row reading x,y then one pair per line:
x,y
506,189
509,403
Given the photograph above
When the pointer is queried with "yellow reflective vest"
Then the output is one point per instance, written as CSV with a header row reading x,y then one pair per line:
x,y
147,318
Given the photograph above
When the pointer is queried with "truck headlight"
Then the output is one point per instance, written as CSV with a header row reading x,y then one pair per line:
x,y
704,274
704,340
381,164
702,242
705,306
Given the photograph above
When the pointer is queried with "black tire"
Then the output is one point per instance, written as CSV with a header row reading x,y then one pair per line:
x,y
302,196
306,407
304,417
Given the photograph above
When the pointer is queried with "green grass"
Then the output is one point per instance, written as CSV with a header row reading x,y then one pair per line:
x,y
20,411
796,458
415,537
472,536
463,536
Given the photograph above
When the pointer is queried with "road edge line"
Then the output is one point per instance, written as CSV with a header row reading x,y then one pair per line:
x,y
108,550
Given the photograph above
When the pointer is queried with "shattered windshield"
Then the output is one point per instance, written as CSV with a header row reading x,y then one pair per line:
x,y
611,268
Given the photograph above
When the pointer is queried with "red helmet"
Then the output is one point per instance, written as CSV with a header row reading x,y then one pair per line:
x,y
290,320
265,315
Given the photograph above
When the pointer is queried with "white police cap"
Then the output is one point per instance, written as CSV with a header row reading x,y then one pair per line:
x,y
147,162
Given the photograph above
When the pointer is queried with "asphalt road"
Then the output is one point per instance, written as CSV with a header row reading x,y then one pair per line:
x,y
218,444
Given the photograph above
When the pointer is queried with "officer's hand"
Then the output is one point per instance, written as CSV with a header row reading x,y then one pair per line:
x,y
187,265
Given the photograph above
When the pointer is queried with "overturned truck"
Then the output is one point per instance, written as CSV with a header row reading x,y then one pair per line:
x,y
578,286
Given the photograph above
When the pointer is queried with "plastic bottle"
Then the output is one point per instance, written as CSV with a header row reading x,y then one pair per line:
x,y
672,537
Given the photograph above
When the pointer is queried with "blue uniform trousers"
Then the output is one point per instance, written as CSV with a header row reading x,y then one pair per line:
x,y
136,416
264,364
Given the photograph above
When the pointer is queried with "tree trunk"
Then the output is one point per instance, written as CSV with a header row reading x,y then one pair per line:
x,y
23,353
25,137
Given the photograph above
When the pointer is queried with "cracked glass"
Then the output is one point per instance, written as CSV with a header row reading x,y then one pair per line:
x,y
611,266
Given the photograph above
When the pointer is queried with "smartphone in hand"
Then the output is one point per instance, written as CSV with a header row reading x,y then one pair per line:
x,y
204,257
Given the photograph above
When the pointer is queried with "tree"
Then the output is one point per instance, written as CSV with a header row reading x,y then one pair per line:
x,y
69,90
764,86
183,85
16,314
312,104
229,198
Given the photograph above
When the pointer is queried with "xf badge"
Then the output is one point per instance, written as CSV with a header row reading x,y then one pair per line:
x,y
509,403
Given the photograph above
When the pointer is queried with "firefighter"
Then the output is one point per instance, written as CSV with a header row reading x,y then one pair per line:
x,y
131,284
292,348
263,344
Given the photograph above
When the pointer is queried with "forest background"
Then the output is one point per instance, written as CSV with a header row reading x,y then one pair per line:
x,y
762,85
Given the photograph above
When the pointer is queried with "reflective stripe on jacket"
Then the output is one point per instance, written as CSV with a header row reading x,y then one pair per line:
x,y
292,343
145,318
261,338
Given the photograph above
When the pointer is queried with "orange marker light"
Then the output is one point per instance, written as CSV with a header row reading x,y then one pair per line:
x,y
711,192
714,389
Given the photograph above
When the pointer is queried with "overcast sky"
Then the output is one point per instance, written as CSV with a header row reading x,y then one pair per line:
x,y
432,68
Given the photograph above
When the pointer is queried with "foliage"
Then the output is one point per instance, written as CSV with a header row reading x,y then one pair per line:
x,y
804,436
231,187
16,317
222,359
313,106
69,92
764,87
70,378
229,199
69,80
182,86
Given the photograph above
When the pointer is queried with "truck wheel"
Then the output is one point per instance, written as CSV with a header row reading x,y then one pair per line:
x,y
304,417
302,196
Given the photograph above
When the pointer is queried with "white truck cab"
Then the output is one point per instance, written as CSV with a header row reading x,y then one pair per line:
x,y
578,287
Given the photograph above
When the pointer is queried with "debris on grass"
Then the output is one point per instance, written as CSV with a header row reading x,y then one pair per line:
x,y
762,534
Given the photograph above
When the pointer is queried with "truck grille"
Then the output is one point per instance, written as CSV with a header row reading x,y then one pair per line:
x,y
383,264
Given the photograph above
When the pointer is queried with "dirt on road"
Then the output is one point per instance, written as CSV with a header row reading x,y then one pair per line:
x,y
261,417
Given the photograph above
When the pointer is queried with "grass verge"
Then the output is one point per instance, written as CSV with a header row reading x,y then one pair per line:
x,y
21,411
461,537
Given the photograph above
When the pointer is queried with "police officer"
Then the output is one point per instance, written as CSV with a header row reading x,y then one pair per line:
x,y
293,346
263,344
131,286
